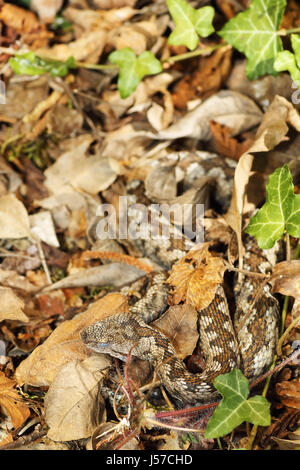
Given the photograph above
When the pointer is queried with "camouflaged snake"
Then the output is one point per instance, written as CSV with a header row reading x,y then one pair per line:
x,y
248,342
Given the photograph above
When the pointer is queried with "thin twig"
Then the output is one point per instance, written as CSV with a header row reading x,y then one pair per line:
x,y
43,259
24,440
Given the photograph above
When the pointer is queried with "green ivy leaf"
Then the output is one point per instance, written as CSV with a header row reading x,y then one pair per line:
x,y
286,60
189,23
30,64
280,212
133,68
254,32
234,407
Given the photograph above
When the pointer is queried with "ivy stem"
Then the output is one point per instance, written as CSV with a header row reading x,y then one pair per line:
x,y
286,32
97,66
288,247
189,55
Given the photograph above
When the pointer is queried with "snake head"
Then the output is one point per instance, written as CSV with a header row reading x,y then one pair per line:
x,y
117,336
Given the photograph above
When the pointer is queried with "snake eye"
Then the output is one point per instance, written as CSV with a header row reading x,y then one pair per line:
x,y
103,345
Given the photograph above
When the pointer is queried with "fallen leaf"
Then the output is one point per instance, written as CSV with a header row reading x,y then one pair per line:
x,y
161,182
285,279
287,444
12,401
74,406
10,278
207,79
46,9
79,170
179,324
195,278
22,20
114,274
21,98
14,221
226,144
91,43
64,345
226,107
42,226
289,393
12,306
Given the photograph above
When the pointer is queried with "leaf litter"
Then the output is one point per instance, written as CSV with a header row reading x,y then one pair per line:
x,y
186,132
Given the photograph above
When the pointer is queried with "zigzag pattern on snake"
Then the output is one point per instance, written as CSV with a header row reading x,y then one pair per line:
x,y
248,344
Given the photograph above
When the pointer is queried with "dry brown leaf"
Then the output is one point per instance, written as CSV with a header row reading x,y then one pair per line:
x,y
212,71
289,393
12,401
285,279
226,144
114,274
73,404
287,444
11,307
89,44
227,107
179,324
64,345
12,279
14,221
195,278
89,20
46,9
161,182
22,98
78,169
21,20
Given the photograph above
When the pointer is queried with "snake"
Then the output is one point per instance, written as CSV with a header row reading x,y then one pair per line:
x,y
247,341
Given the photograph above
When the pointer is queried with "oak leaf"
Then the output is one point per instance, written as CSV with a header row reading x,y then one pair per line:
x,y
195,278
12,401
289,393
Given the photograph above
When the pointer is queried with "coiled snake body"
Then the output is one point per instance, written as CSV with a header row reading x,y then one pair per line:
x,y
248,342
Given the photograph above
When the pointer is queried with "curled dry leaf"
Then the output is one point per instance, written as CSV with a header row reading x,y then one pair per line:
x,y
88,44
227,107
195,278
114,274
179,323
12,401
285,279
64,345
74,406
12,306
289,393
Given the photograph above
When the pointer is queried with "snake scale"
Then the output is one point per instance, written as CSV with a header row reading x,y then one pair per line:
x,y
248,342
